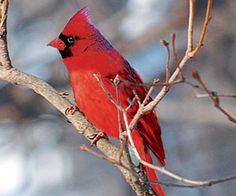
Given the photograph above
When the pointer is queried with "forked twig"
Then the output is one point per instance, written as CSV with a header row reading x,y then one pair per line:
x,y
214,98
167,66
109,95
116,82
195,88
188,54
102,156
174,51
204,28
176,57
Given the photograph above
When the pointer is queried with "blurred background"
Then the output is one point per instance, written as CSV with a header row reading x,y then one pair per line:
x,y
39,149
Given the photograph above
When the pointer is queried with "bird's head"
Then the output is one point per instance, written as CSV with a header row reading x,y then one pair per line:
x,y
77,35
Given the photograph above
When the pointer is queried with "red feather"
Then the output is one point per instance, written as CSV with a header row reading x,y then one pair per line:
x,y
89,53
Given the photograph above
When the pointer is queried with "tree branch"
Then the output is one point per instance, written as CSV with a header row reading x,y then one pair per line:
x,y
214,97
189,53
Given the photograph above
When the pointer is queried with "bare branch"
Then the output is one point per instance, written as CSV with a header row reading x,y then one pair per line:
x,y
109,95
116,82
176,57
195,88
167,66
190,26
181,64
204,28
102,156
213,97
174,51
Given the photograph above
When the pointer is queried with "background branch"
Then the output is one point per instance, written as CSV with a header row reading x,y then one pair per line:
x,y
214,97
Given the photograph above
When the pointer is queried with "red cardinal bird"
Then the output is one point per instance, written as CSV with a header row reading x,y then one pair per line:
x,y
86,52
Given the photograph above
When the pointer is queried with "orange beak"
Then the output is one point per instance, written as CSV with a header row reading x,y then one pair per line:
x,y
57,43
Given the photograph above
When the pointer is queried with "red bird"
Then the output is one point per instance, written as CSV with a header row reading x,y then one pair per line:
x,y
86,52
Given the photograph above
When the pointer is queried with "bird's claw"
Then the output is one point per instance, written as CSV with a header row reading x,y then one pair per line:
x,y
97,136
71,110
63,94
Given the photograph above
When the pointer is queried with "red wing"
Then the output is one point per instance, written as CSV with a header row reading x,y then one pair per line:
x,y
148,125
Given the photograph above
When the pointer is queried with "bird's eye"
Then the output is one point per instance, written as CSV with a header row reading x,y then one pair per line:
x,y
70,40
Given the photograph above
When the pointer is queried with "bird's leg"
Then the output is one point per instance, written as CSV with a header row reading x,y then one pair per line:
x,y
71,109
97,136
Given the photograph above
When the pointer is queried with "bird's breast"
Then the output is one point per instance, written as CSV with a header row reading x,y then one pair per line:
x,y
94,102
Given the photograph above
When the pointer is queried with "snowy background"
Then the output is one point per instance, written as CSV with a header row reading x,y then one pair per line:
x,y
39,150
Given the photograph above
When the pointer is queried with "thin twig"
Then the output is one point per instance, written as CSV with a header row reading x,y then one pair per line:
x,y
209,182
214,98
204,28
104,157
119,163
154,83
195,88
176,57
101,156
109,95
190,26
167,66
122,135
116,82
174,51
131,103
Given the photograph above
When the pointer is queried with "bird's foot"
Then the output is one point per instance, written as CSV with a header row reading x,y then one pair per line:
x,y
63,94
97,136
71,110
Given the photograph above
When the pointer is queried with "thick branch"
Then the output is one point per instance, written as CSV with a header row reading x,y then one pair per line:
x,y
78,120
